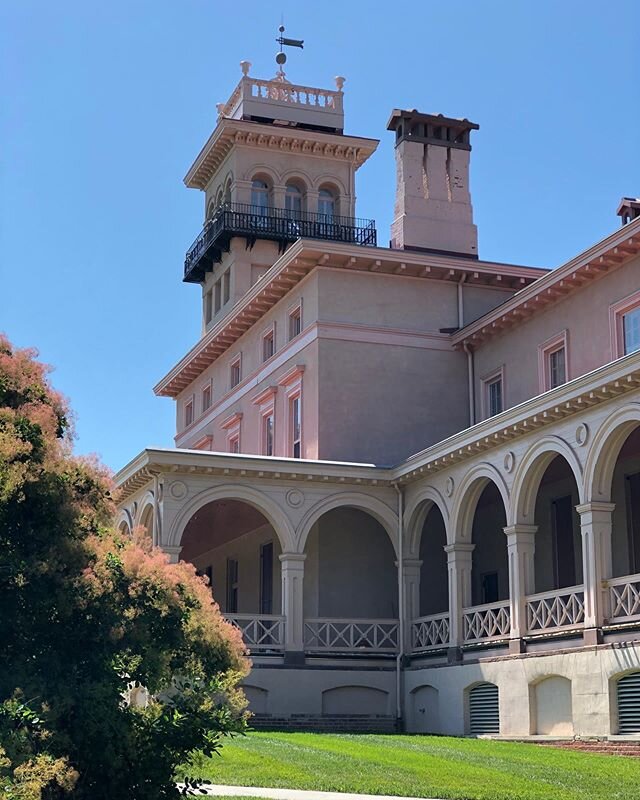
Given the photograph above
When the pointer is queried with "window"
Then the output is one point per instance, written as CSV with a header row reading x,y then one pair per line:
x,y
218,296
296,426
631,331
267,434
232,427
268,345
624,322
266,578
206,397
188,413
235,373
557,368
493,390
234,443
226,287
293,199
492,394
232,586
208,307
295,322
326,203
259,194
552,362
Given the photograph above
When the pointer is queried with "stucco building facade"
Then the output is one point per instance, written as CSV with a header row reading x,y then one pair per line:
x,y
411,475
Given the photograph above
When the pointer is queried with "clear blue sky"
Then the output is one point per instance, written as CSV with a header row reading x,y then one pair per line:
x,y
105,105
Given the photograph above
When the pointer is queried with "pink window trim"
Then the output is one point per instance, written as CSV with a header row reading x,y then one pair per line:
x,y
231,421
237,361
544,351
616,313
294,374
204,443
266,401
484,394
270,331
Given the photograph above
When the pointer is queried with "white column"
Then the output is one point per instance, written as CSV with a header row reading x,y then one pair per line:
x,y
596,523
459,569
521,547
173,551
411,577
292,568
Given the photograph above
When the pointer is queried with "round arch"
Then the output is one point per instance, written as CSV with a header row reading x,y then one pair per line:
x,y
298,178
262,171
245,494
330,182
146,505
124,522
466,499
416,513
604,451
363,502
530,472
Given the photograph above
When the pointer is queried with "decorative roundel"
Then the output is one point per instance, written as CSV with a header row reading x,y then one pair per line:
x,y
449,486
582,433
509,461
178,490
294,498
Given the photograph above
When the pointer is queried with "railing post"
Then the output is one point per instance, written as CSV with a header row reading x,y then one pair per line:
x,y
411,577
596,524
521,547
459,570
292,569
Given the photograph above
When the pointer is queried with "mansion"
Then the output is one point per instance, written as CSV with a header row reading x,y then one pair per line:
x,y
412,475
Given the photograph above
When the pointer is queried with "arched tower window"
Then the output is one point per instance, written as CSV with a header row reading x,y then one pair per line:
x,y
260,194
226,198
293,198
326,203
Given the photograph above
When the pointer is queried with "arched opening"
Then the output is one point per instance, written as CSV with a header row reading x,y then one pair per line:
x,y
558,543
551,707
625,493
260,194
434,583
483,710
146,520
489,564
425,710
293,199
327,203
350,585
237,548
226,196
628,704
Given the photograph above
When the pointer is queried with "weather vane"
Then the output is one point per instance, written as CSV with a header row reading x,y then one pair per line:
x,y
284,41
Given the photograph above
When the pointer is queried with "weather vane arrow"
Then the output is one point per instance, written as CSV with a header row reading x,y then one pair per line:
x,y
284,40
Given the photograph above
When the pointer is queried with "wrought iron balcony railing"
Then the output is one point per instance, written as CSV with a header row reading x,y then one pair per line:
x,y
276,224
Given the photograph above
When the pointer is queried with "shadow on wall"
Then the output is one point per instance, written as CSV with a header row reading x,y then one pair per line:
x,y
355,700
551,706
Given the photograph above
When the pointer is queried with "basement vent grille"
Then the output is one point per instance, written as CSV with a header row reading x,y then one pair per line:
x,y
629,703
484,709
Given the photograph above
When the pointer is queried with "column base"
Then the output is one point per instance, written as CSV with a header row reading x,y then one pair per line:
x,y
591,636
517,646
454,655
294,658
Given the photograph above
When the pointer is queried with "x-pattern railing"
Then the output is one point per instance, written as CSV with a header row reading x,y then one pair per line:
x,y
430,631
353,635
562,608
260,632
624,596
490,621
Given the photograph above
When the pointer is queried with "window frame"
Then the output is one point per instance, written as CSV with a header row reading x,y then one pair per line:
x,y
560,341
206,388
269,333
226,287
266,402
485,399
617,312
236,362
294,313
189,412
233,427
292,383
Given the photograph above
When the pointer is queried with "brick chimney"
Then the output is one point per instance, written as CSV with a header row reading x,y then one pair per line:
x,y
629,209
433,206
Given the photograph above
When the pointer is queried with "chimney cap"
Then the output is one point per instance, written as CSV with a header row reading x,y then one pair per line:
x,y
431,129
413,115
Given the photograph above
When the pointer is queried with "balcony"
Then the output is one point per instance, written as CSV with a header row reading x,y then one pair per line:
x,y
275,224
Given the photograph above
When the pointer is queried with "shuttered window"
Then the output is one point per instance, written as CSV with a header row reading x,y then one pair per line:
x,y
484,709
629,703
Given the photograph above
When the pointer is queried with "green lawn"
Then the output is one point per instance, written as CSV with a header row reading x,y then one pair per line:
x,y
420,766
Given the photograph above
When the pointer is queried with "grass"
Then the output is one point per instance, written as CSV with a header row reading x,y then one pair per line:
x,y
420,766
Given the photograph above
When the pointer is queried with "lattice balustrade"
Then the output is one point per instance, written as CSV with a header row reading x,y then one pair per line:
x,y
351,635
263,632
624,597
563,608
429,632
491,621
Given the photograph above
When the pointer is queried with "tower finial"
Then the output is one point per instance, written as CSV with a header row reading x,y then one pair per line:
x,y
281,56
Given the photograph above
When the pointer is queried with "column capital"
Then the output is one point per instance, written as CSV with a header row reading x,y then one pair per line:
x,y
459,547
292,558
516,530
173,551
412,562
594,507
